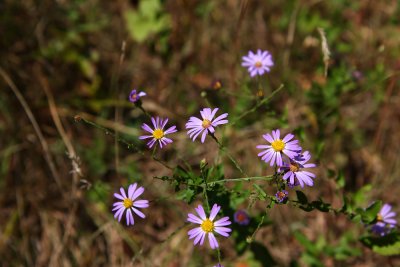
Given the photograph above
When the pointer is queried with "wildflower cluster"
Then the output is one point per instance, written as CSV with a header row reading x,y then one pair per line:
x,y
286,154
290,162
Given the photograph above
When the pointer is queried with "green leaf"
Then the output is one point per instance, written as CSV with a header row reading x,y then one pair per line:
x,y
260,191
321,206
388,250
361,195
387,245
301,197
306,243
340,180
149,19
369,215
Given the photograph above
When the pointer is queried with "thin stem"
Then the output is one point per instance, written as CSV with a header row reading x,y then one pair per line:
x,y
139,105
242,179
121,140
262,102
205,189
223,149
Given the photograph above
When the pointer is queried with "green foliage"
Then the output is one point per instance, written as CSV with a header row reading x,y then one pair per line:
x,y
387,245
147,20
315,251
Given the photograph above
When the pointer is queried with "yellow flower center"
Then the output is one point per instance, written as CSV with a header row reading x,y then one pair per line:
x,y
278,145
133,97
258,64
379,217
128,203
158,134
207,226
294,167
206,123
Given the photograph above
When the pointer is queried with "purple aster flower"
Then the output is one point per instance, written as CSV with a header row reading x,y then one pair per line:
x,y
281,196
241,217
158,134
277,147
135,96
259,63
128,203
206,124
295,173
218,265
208,226
385,220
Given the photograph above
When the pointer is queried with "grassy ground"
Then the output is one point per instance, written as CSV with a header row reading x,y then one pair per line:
x,y
65,58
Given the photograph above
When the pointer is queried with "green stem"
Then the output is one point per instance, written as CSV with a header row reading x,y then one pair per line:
x,y
262,102
121,140
223,149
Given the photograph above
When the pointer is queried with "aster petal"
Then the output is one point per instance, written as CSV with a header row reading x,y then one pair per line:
x,y
286,175
221,122
123,192
212,240
194,219
202,238
278,159
129,217
163,123
138,213
141,94
224,231
142,137
194,232
147,128
222,222
118,213
276,134
203,136
220,117
131,190
197,134
200,211
154,123
171,129
309,165
118,196
268,156
390,214
214,211
268,137
287,138
214,112
390,221
151,143
141,204
198,238
385,209
310,174
273,159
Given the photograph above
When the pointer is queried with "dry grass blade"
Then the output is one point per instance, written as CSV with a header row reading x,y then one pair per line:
x,y
47,155
325,50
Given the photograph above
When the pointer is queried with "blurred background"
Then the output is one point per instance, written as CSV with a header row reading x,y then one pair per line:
x,y
69,59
